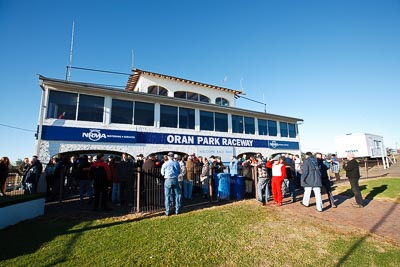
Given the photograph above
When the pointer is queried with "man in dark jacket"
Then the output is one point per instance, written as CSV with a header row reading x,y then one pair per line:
x,y
311,179
33,176
127,179
100,174
323,167
353,174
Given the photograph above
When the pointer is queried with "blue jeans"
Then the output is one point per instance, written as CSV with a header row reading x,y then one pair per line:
x,y
188,189
115,196
169,185
291,184
204,186
85,186
263,187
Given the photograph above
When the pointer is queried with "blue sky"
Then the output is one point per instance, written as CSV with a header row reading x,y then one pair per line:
x,y
335,64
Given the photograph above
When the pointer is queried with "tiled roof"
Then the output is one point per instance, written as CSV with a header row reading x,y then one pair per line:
x,y
134,78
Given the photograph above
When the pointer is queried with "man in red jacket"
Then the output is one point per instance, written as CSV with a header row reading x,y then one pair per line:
x,y
278,175
100,174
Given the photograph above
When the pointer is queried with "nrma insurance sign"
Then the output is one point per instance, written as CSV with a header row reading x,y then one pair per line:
x,y
118,136
87,135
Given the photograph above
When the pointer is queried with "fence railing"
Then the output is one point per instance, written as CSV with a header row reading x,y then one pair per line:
x,y
145,195
13,185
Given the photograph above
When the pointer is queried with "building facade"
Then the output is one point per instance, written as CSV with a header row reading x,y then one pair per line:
x,y
156,113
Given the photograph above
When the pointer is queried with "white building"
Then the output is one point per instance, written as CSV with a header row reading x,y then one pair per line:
x,y
362,145
156,113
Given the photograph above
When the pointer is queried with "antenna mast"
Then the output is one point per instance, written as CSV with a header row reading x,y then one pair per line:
x,y
70,53
133,57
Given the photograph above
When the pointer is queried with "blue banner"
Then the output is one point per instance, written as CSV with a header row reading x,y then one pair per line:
x,y
119,136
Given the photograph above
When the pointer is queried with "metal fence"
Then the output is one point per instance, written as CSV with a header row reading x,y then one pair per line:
x,y
13,185
146,194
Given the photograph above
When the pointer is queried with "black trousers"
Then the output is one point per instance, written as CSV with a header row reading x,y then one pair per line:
x,y
328,188
100,196
356,190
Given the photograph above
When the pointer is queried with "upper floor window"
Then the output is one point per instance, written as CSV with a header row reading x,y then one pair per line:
x,y
144,114
62,105
262,127
221,101
121,111
206,120
249,126
284,129
272,128
168,116
292,130
157,90
237,124
191,96
221,122
91,108
186,118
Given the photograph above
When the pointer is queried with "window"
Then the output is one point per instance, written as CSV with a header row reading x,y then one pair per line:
x,y
206,120
249,127
221,122
221,101
292,130
144,114
157,90
180,94
186,118
203,98
284,129
60,102
272,128
262,127
237,124
191,96
121,111
91,108
168,116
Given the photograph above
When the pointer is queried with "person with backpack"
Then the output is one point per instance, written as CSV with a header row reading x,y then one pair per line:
x,y
100,174
311,180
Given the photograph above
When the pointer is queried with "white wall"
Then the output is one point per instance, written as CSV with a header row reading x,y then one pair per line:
x,y
14,214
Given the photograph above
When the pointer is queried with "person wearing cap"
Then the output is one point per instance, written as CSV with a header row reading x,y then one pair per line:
x,y
170,170
278,175
335,167
311,180
100,174
262,186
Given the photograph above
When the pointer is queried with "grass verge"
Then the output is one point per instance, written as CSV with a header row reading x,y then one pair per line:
x,y
374,188
238,234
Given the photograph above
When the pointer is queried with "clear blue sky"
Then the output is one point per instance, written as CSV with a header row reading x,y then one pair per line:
x,y
335,64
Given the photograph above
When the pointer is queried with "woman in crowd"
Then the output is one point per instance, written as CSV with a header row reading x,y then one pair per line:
x,y
4,169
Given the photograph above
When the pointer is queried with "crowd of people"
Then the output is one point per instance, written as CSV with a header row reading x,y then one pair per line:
x,y
102,180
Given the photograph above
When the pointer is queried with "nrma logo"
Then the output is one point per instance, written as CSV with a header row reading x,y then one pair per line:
x,y
94,135
273,144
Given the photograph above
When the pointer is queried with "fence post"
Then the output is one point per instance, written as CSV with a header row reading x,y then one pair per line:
x,y
138,190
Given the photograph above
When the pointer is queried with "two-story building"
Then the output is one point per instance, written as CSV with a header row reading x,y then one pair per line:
x,y
156,113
